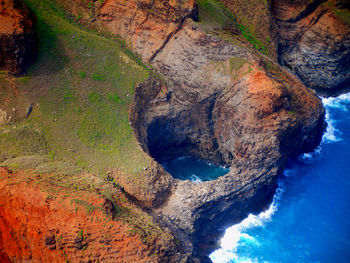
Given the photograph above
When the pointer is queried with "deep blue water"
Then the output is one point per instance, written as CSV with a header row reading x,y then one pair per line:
x,y
193,169
309,219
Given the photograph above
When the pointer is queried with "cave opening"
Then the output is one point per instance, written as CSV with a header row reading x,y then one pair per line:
x,y
186,150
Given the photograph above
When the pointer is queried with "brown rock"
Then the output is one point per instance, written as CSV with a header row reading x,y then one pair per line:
x,y
18,43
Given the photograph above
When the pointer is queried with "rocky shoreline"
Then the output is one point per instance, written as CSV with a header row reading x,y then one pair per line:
x,y
224,102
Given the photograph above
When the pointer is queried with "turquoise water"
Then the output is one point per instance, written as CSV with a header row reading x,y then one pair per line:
x,y
309,219
189,168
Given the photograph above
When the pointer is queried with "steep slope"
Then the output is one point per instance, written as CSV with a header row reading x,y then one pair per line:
x,y
225,105
314,42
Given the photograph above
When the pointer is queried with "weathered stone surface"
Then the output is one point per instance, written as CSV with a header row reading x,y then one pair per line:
x,y
314,43
222,103
146,24
256,18
18,43
153,192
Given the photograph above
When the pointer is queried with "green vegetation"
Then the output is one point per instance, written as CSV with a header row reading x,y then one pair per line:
x,y
21,139
236,63
213,9
217,10
257,44
89,207
343,14
83,85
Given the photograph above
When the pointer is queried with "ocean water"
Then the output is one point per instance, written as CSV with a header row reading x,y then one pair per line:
x,y
189,168
309,218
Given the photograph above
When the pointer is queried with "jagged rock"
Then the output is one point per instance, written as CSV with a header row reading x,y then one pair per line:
x,y
151,192
18,43
314,42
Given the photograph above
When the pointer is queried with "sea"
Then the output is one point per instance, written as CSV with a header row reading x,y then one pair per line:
x,y
309,217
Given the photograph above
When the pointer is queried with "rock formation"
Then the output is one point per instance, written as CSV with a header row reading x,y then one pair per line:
x,y
223,104
18,43
314,42
313,38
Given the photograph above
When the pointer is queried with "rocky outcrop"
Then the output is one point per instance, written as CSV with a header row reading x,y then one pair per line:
x,y
150,192
217,101
226,105
59,226
145,25
148,25
18,43
314,42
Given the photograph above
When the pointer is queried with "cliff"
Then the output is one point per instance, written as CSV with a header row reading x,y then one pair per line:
x,y
214,99
18,43
230,107
314,42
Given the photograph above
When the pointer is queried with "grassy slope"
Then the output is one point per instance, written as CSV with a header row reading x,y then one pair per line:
x,y
214,14
81,86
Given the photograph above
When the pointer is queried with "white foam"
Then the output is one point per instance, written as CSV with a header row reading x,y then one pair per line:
x,y
312,156
234,234
337,102
332,134
195,178
341,102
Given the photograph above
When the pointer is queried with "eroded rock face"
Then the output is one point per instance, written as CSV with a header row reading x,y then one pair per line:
x,y
18,43
146,24
221,103
315,42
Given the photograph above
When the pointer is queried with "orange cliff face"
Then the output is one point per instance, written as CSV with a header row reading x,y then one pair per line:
x,y
38,227
145,25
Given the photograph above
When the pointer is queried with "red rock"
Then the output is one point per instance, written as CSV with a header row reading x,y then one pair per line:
x,y
18,43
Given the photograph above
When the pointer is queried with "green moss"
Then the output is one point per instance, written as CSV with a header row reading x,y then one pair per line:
x,y
236,63
97,77
21,139
217,10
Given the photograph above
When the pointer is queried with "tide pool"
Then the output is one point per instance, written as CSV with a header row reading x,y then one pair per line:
x,y
309,218
189,168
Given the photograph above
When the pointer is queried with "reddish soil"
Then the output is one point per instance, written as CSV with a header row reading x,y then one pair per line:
x,y
38,227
